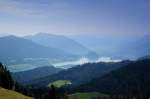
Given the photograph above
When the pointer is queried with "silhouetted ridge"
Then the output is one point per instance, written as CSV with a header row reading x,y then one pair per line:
x,y
131,80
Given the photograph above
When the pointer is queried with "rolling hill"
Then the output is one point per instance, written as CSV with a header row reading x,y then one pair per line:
x,y
26,76
79,74
132,79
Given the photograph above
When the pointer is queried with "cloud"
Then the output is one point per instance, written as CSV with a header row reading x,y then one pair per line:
x,y
96,17
84,61
11,7
32,8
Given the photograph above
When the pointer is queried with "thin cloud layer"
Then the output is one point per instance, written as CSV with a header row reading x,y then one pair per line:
x,y
75,17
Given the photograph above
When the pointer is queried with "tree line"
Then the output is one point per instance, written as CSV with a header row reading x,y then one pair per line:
x,y
7,82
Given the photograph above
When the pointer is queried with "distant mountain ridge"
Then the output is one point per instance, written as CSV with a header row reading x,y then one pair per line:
x,y
13,47
62,42
136,49
144,57
117,47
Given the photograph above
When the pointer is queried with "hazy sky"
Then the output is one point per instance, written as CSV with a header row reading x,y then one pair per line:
x,y
75,17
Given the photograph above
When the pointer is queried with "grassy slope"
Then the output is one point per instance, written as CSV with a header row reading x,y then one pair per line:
x,y
86,95
8,94
60,83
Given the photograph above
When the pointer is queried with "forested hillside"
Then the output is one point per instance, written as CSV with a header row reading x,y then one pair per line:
x,y
26,76
9,88
80,74
131,80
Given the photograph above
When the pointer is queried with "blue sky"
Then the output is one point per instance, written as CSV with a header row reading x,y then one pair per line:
x,y
75,17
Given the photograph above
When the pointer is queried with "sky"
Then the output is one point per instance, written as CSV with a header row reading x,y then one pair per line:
x,y
75,17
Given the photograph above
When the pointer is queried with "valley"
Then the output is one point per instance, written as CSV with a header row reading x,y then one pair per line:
x,y
74,49
59,72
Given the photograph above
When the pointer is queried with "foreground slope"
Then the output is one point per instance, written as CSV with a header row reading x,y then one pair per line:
x,y
132,79
9,94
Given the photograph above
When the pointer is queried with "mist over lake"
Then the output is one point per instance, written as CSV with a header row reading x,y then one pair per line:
x,y
82,61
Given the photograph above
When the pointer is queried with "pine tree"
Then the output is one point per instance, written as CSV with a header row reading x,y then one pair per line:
x,y
52,92
6,80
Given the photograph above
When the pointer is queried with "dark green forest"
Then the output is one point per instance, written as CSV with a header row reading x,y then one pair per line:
x,y
126,82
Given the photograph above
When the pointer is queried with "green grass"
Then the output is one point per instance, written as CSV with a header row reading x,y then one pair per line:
x,y
60,83
9,94
86,95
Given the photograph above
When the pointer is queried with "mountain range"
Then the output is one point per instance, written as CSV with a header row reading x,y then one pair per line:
x,y
62,42
46,49
19,48
41,48
129,47
137,48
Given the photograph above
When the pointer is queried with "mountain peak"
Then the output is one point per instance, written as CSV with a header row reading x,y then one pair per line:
x,y
47,34
10,37
61,42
